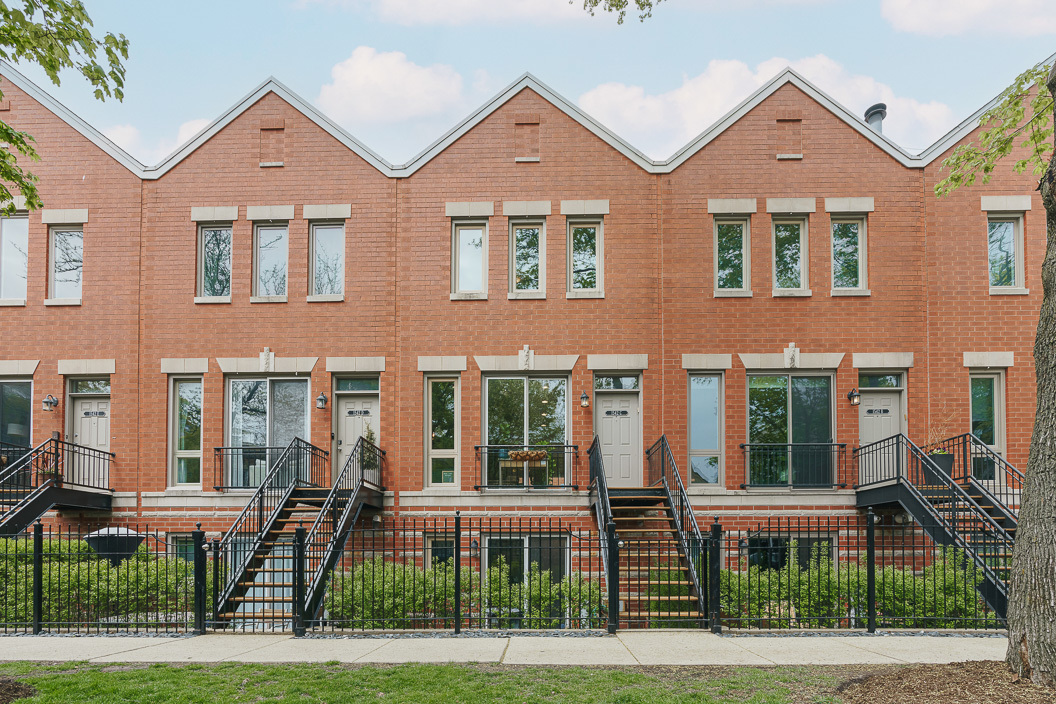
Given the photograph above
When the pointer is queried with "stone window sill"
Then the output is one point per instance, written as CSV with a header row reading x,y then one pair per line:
x,y
212,299
731,293
267,299
62,302
584,294
850,292
12,302
474,296
326,297
792,293
1009,291
525,295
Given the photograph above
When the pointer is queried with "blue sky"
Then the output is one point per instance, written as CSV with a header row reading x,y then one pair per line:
x,y
399,73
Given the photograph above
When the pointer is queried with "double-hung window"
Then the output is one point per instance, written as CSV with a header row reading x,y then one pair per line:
x,y
521,570
442,431
270,261
527,259
732,257
67,263
790,430
525,428
187,431
469,264
328,260
848,255
264,416
14,259
586,271
705,428
214,261
1005,248
791,275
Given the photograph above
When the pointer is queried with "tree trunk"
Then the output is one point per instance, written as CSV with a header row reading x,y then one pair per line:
x,y
1032,602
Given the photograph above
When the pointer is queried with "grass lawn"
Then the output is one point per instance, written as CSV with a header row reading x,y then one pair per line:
x,y
421,684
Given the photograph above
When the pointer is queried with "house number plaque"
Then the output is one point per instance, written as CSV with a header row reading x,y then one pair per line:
x,y
354,412
95,414
878,411
617,413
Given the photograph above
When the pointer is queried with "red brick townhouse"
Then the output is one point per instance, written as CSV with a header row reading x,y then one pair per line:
x,y
782,290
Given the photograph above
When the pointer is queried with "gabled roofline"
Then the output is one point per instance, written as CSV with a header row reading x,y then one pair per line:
x,y
70,118
527,80
271,85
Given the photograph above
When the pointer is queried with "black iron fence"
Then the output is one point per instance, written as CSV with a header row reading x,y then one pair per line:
x,y
855,571
81,579
466,573
247,467
801,464
527,466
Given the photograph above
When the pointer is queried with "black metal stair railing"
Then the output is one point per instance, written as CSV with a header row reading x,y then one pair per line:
x,y
300,464
325,541
28,474
599,495
662,466
973,462
942,507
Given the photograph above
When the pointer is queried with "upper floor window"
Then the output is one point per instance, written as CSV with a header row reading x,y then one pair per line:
x,y
790,256
187,431
14,258
214,265
470,260
732,256
271,258
848,254
328,260
67,262
1005,246
527,259
585,257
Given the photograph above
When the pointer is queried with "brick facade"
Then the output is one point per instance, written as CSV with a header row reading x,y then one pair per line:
x,y
927,281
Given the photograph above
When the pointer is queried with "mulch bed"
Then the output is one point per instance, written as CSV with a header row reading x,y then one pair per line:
x,y
959,683
10,690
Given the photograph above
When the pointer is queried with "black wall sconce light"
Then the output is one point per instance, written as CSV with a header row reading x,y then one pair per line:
x,y
854,397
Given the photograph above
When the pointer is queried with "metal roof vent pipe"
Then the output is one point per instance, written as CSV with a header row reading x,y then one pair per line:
x,y
875,116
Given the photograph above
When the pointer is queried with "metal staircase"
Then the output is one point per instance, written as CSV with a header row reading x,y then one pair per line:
x,y
271,568
659,540
54,473
895,472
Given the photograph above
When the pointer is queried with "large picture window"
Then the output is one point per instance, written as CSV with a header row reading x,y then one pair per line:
x,y
525,430
264,416
790,430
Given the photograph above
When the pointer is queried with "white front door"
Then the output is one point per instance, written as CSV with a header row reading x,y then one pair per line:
x,y
91,428
879,416
356,413
619,428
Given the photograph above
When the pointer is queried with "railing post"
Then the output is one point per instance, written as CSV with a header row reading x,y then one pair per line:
x,y
198,543
613,577
714,596
38,575
298,581
216,580
458,572
870,559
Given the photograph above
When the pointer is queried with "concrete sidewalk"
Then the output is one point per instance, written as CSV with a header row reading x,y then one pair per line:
x,y
669,647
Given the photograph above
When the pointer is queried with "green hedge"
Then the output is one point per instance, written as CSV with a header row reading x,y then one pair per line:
x,y
80,590
381,594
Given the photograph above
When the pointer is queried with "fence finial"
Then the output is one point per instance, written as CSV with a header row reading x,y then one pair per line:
x,y
197,526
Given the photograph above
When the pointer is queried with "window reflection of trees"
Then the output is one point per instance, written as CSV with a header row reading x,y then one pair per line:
x,y
1002,254
68,263
584,257
845,254
730,268
526,246
787,255
216,262
271,261
329,274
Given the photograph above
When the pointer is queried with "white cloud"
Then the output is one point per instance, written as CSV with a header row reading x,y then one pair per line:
x,y
129,138
946,17
384,87
660,123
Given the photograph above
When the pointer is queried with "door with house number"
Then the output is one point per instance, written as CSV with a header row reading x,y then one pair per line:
x,y
879,417
619,431
355,414
91,428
